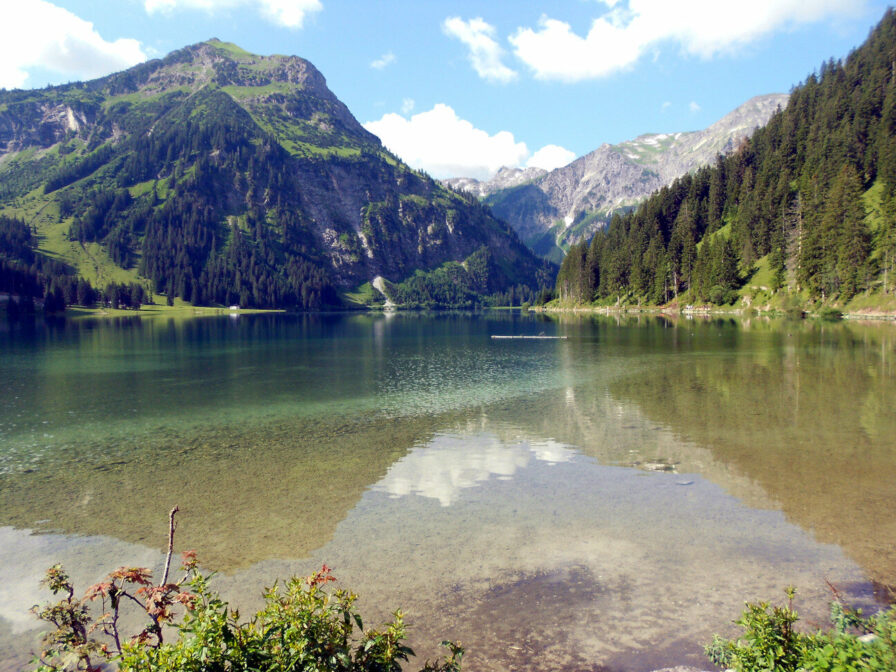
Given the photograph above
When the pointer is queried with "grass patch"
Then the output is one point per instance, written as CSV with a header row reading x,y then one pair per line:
x,y
762,276
388,158
89,260
243,92
365,295
870,303
723,232
873,200
230,48
141,188
137,97
414,198
307,149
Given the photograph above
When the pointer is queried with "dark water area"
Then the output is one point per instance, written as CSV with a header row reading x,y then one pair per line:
x,y
605,501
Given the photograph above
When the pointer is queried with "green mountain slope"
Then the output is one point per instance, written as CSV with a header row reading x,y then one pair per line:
x,y
807,203
219,176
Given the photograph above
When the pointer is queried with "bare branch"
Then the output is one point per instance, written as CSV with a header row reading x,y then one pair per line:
x,y
171,528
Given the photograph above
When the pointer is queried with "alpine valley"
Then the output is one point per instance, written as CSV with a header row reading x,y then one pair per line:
x,y
219,177
552,209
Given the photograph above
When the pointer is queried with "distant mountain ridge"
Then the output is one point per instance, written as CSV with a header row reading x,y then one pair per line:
x,y
552,209
506,178
226,177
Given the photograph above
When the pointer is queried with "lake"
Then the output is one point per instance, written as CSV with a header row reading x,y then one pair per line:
x,y
601,502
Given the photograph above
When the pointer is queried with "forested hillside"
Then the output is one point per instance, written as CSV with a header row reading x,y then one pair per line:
x,y
806,206
220,177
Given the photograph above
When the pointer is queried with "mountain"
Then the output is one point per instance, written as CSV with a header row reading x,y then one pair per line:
x,y
505,178
803,211
551,210
219,176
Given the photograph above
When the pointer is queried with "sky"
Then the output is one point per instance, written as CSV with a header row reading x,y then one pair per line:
x,y
462,88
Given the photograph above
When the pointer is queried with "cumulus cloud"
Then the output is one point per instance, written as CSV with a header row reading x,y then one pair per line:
x,y
287,13
484,52
550,157
38,34
444,145
383,61
703,28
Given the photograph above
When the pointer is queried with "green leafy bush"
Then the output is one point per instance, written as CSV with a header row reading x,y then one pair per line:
x,y
302,627
830,314
770,642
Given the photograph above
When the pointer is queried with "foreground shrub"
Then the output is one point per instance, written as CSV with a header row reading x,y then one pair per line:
x,y
304,626
770,642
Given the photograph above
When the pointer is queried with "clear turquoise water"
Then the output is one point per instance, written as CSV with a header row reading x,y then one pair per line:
x,y
608,499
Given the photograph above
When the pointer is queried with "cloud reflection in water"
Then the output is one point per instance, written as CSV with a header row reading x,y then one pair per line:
x,y
450,463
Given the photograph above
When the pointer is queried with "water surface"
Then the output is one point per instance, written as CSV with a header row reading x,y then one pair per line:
x,y
606,501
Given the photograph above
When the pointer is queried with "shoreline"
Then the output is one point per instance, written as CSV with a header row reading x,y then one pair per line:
x,y
883,316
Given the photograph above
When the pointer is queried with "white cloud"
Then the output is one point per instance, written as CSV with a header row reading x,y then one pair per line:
x,y
665,106
383,61
407,106
444,145
550,157
38,34
287,13
485,52
703,28
694,106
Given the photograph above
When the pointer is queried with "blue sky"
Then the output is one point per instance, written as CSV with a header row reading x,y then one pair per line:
x,y
463,87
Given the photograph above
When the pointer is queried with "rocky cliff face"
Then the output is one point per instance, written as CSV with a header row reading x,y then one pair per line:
x,y
568,204
244,152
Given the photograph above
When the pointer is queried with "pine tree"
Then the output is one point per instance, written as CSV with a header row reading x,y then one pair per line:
x,y
853,240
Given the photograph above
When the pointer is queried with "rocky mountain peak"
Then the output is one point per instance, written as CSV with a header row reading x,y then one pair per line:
x,y
235,66
507,177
